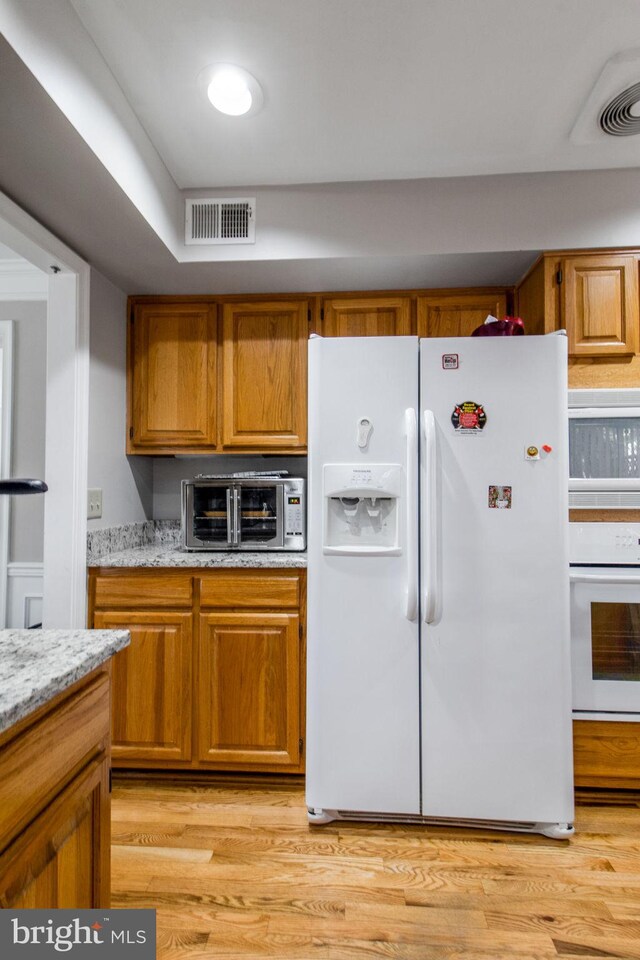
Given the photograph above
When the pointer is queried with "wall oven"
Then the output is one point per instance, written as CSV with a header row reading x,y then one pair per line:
x,y
605,620
244,512
604,448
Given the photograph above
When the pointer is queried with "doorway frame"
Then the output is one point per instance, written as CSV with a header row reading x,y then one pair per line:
x,y
6,363
67,433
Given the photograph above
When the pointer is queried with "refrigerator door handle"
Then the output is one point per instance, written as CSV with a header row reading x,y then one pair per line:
x,y
411,432
431,518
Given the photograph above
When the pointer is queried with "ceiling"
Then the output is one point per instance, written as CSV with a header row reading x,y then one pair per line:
x,y
367,89
372,110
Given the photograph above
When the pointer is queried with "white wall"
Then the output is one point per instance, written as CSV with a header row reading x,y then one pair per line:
x,y
29,419
126,483
50,38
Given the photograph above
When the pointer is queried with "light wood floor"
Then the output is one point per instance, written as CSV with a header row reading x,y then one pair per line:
x,y
235,871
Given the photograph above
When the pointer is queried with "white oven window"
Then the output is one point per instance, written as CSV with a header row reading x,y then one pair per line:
x,y
615,641
604,447
605,643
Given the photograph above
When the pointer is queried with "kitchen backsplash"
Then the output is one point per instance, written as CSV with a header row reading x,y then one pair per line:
x,y
125,537
168,472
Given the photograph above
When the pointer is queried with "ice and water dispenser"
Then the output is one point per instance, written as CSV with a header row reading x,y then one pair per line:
x,y
361,508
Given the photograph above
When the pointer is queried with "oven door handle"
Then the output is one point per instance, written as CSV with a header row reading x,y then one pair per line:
x,y
236,518
603,578
229,518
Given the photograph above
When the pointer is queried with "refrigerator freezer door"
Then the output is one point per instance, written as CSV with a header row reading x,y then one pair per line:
x,y
363,685
496,689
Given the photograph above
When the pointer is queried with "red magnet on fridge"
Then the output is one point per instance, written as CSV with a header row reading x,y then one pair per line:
x,y
547,448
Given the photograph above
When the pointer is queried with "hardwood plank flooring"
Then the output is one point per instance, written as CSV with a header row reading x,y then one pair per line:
x,y
235,871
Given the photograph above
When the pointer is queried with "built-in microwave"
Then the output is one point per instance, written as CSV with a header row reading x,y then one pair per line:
x,y
604,448
240,512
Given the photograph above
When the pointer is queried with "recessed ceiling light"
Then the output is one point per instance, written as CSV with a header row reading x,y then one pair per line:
x,y
232,90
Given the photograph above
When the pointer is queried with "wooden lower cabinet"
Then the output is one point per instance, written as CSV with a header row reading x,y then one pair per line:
x,y
55,863
606,754
218,682
54,803
249,679
151,716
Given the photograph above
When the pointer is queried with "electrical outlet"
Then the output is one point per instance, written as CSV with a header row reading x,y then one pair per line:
x,y
94,503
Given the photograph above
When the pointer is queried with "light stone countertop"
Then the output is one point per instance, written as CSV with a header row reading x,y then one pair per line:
x,y
35,665
169,555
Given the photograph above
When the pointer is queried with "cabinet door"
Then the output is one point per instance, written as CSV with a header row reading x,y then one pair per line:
x,y
458,315
172,374
265,375
62,859
249,689
151,685
599,305
373,317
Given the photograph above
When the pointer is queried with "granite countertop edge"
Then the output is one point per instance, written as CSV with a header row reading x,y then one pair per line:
x,y
163,555
37,665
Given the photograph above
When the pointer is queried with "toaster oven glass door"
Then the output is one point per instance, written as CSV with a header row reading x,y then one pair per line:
x,y
212,517
260,512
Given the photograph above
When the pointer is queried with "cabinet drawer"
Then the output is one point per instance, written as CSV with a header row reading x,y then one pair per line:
x,y
145,590
35,765
249,590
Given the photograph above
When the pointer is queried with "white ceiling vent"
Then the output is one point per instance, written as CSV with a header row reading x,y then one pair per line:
x,y
613,106
220,220
620,116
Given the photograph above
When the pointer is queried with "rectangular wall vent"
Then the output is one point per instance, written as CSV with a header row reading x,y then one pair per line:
x,y
604,499
220,220
605,397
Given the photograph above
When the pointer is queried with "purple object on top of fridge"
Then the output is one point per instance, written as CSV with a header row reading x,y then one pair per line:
x,y
492,327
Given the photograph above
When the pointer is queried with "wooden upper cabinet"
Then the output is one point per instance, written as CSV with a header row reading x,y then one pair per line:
x,y
458,314
536,298
172,377
264,354
366,317
599,305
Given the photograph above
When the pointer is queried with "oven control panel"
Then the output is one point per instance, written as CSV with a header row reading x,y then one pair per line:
x,y
604,543
294,514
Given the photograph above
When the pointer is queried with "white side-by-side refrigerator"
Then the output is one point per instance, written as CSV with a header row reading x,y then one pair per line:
x,y
438,681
